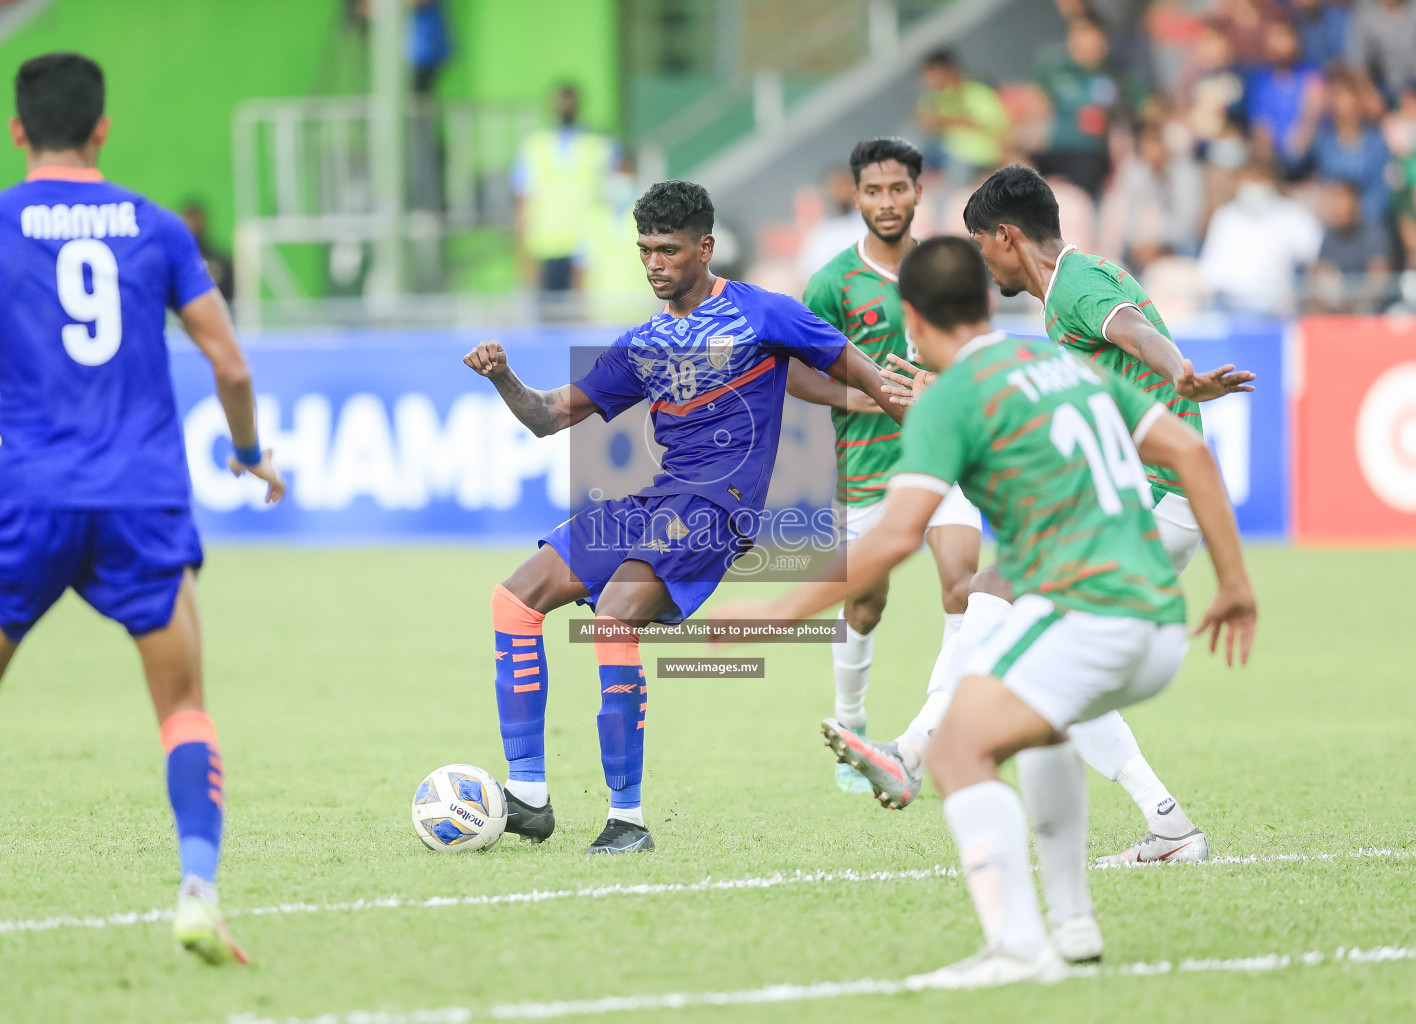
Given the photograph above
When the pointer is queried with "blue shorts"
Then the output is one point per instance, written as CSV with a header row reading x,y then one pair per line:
x,y
689,542
127,563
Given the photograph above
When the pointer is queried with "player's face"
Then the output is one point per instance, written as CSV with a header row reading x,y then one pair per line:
x,y
886,196
675,263
1000,255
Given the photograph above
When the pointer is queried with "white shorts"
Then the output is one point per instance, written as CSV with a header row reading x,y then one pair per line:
x,y
1179,533
1072,666
954,510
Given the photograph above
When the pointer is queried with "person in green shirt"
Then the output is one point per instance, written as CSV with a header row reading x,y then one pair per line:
x,y
857,293
967,117
1050,447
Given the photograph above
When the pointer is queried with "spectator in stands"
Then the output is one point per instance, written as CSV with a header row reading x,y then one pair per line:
x,y
1276,96
1383,43
965,116
428,43
1257,245
1154,204
558,178
1211,87
611,272
1400,131
1353,271
1086,98
840,227
1344,144
1323,28
218,263
1246,23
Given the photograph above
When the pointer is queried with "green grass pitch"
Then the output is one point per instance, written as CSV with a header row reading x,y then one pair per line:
x,y
337,678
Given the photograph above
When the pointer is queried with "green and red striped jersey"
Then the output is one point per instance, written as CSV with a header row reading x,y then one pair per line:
x,y
1085,293
1044,443
861,299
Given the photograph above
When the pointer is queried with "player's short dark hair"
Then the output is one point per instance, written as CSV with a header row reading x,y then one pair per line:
x,y
945,280
59,99
941,58
671,206
877,151
1014,195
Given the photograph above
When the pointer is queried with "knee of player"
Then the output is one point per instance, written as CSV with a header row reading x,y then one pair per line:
x,y
865,614
955,589
990,581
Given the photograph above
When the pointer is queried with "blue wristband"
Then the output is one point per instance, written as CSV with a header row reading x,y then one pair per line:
x,y
249,456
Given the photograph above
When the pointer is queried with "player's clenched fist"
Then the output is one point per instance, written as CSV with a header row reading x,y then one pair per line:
x,y
488,358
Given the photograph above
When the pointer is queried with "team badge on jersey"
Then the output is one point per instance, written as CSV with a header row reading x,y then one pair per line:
x,y
676,530
720,350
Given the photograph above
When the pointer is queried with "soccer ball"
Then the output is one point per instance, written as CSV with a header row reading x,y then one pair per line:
x,y
459,807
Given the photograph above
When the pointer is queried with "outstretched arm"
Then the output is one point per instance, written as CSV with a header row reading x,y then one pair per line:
x,y
810,386
208,324
1130,331
1168,442
542,412
856,369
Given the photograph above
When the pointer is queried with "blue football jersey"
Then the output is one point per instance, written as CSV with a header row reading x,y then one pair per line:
x,y
715,381
88,271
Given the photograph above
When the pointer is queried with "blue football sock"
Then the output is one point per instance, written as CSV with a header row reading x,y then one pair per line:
x,y
194,786
521,685
623,699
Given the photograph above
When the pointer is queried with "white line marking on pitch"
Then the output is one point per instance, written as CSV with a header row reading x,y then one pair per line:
x,y
789,993
645,889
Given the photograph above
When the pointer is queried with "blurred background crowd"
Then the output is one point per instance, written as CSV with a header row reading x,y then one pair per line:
x,y
452,162
1256,156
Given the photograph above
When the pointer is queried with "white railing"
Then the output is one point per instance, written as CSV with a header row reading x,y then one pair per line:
x,y
310,171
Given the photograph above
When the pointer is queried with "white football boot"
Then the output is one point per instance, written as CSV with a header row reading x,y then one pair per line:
x,y
992,967
1191,848
1078,939
199,927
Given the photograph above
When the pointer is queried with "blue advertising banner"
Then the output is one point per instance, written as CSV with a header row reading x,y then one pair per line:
x,y
386,436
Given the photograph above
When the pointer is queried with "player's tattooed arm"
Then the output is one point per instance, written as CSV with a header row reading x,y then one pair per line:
x,y
1129,330
856,369
811,386
1168,442
541,412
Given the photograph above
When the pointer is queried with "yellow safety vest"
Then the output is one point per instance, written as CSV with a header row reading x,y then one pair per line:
x,y
564,184
616,288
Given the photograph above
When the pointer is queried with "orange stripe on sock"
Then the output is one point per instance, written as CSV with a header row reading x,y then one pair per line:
x,y
523,641
217,798
524,657
510,614
213,780
644,707
188,726
644,689
534,670
641,724
525,687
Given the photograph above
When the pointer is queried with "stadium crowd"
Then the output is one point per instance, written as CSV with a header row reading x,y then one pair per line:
x,y
1254,156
